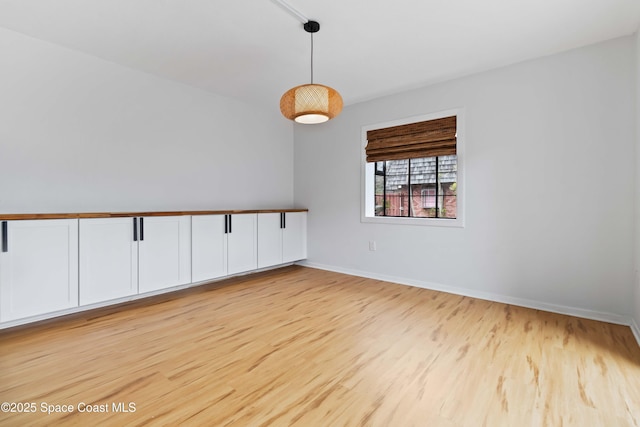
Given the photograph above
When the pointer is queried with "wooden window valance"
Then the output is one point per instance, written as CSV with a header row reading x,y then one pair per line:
x,y
422,139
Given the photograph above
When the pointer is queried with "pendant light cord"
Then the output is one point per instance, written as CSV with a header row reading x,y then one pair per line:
x,y
311,58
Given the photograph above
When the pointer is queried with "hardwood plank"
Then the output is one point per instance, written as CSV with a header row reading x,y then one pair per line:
x,y
299,346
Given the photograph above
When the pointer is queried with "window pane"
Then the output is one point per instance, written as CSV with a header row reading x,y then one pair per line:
x,y
397,187
379,168
379,192
423,187
447,177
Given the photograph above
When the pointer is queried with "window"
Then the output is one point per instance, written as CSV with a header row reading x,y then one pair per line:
x,y
412,171
424,187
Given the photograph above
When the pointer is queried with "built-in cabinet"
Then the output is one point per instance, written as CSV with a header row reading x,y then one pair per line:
x,y
53,265
108,259
125,256
164,252
208,247
223,245
242,251
282,238
38,267
294,236
269,239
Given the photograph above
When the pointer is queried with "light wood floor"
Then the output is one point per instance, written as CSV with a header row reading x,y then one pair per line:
x,y
305,347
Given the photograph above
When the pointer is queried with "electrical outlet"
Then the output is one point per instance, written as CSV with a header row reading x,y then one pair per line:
x,y
372,245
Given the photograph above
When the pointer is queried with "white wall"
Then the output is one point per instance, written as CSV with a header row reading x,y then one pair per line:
x,y
549,186
81,134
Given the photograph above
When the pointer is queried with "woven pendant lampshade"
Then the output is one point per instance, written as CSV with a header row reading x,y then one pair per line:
x,y
311,103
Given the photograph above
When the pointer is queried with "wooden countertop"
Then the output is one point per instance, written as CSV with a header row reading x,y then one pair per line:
x,y
24,216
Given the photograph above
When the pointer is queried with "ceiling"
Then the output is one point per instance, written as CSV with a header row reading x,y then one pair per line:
x,y
254,50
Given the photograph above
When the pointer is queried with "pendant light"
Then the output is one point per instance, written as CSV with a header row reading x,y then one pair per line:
x,y
311,103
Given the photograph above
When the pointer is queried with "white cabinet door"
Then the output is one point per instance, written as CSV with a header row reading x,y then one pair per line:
x,y
269,239
242,248
38,268
164,252
294,236
208,247
108,259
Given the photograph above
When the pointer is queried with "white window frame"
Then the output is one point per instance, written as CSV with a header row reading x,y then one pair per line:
x,y
367,182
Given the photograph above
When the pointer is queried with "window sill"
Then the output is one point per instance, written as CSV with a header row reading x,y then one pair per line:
x,y
429,222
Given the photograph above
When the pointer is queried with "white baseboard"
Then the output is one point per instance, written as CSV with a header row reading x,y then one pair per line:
x,y
522,302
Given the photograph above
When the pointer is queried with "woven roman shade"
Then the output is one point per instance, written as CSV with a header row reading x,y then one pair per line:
x,y
423,139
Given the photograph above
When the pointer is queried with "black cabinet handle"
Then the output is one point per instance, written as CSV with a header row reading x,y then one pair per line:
x,y
280,219
135,229
226,224
229,224
141,229
5,237
284,220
